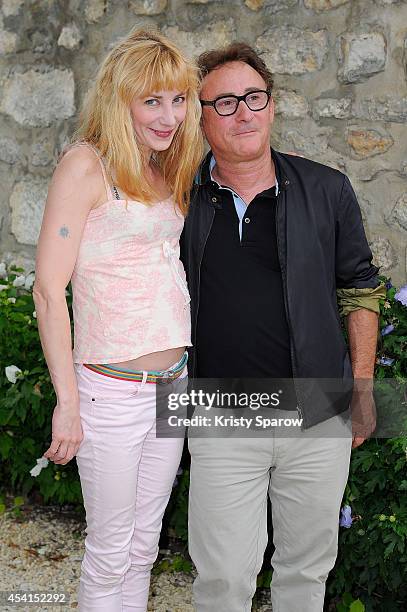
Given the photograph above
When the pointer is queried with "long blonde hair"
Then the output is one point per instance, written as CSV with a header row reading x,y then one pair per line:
x,y
143,63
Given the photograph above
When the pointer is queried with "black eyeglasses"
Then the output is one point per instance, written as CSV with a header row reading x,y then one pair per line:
x,y
228,105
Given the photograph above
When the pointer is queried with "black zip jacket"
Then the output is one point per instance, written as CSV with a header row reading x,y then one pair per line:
x,y
322,247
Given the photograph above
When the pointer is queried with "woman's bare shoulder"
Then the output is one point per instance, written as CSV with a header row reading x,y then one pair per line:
x,y
79,170
80,160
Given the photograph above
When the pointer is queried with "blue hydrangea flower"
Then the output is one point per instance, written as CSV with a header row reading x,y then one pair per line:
x,y
387,330
346,517
401,295
387,361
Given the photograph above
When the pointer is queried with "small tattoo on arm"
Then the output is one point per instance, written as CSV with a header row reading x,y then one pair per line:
x,y
64,231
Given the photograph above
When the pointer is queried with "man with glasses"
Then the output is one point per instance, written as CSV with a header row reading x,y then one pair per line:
x,y
269,243
228,105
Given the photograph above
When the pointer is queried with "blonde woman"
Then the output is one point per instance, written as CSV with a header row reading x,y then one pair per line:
x,y
112,222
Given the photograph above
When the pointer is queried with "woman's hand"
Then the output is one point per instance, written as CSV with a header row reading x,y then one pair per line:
x,y
66,435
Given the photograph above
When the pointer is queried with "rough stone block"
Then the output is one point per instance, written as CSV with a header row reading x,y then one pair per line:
x,y
312,143
148,7
8,42
254,5
338,108
290,104
42,152
405,56
94,10
271,6
383,108
70,36
213,35
20,260
290,50
38,98
11,7
398,215
324,5
361,55
27,202
366,143
384,255
10,152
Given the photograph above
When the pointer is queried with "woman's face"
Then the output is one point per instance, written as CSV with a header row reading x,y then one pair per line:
x,y
156,118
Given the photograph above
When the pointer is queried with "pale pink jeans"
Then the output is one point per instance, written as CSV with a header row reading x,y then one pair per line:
x,y
126,477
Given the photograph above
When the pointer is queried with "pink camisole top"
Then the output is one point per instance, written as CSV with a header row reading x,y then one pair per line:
x,y
130,296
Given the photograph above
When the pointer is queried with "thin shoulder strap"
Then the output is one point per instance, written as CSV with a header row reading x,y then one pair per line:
x,y
102,165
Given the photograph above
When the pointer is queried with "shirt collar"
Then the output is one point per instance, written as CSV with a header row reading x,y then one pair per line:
x,y
212,164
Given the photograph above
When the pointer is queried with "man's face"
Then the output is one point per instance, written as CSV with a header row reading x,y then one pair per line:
x,y
246,134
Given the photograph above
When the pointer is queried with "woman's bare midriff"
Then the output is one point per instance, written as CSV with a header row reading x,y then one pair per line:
x,y
160,360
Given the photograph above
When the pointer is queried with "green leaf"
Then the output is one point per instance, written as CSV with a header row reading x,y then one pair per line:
x,y
357,606
347,599
6,444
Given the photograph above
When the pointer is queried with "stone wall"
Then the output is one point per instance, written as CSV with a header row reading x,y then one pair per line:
x,y
340,68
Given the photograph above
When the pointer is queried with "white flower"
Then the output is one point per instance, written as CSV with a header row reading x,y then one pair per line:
x,y
11,300
42,462
35,314
29,281
3,269
19,281
11,373
2,287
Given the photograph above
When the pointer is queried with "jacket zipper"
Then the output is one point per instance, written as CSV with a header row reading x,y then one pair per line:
x,y
299,409
199,286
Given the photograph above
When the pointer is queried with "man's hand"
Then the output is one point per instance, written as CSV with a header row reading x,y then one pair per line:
x,y
363,410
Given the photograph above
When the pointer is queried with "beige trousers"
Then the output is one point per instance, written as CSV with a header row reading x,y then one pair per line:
x,y
305,476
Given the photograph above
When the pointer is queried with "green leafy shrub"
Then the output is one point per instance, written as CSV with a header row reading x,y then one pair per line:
x,y
372,561
26,405
391,359
177,509
372,558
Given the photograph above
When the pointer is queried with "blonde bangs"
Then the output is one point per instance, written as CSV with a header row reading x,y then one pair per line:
x,y
164,71
142,64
